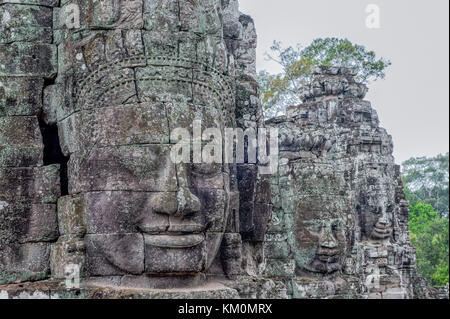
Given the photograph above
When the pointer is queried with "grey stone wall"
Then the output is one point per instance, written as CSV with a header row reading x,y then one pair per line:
x,y
28,189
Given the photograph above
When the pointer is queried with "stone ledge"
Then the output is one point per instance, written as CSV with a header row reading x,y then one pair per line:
x,y
57,290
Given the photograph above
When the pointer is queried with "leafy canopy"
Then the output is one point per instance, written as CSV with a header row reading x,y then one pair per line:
x,y
427,180
426,188
281,90
430,236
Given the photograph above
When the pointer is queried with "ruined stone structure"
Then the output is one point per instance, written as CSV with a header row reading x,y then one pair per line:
x,y
87,116
340,214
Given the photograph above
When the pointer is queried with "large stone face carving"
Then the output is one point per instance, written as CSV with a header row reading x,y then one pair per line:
x,y
133,73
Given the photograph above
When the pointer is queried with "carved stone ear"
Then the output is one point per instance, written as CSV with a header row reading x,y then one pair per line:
x,y
231,254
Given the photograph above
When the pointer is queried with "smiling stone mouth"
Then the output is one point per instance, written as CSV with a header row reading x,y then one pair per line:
x,y
325,264
327,258
173,236
173,240
171,229
381,231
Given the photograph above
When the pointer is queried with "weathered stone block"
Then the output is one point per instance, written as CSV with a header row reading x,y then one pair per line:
x,y
122,212
280,268
70,216
20,96
127,168
161,15
276,249
27,59
25,34
53,100
25,23
182,115
313,289
231,253
163,80
105,79
20,142
263,212
160,43
24,262
173,260
20,156
121,125
104,14
67,252
47,3
23,223
114,254
213,209
19,131
37,185
280,222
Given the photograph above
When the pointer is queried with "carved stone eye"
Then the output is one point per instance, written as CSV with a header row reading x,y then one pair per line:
x,y
334,227
313,226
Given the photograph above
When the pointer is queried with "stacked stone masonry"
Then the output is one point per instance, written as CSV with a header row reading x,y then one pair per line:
x,y
87,117
29,191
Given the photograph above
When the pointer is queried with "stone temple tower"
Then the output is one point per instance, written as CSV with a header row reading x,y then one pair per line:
x,y
340,217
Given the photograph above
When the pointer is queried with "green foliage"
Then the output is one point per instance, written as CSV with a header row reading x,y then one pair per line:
x,y
281,90
427,180
420,216
426,187
430,236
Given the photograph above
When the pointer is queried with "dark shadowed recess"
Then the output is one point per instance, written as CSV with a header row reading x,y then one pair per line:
x,y
53,153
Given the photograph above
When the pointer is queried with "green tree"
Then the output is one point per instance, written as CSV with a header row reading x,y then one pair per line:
x,y
281,90
430,236
427,180
420,217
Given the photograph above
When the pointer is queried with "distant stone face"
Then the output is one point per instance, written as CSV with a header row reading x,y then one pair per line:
x,y
341,193
87,122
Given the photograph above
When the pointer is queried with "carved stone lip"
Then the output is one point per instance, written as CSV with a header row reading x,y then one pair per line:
x,y
174,240
327,258
327,252
381,231
173,228
381,236
324,267
327,255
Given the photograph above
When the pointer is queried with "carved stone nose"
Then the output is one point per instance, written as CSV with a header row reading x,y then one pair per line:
x,y
383,221
188,203
181,203
327,240
165,203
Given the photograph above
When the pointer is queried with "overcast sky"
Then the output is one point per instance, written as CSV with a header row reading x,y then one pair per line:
x,y
413,100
